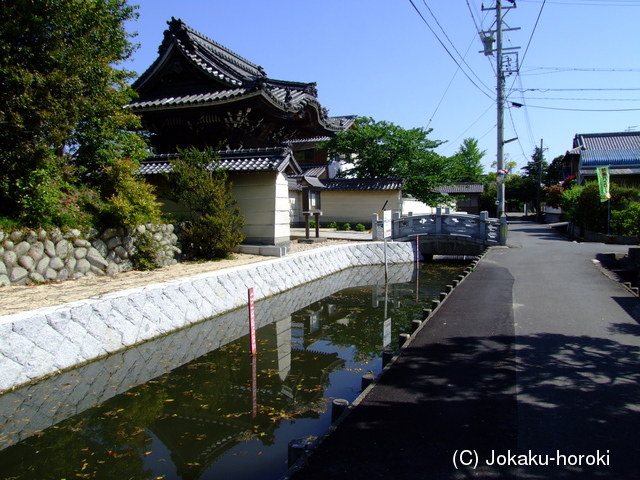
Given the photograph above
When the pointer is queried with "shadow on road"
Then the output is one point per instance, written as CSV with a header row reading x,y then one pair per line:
x,y
572,395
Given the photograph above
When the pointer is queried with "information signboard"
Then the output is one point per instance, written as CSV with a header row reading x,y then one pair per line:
x,y
386,224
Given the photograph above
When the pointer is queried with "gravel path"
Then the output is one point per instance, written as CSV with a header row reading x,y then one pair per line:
x,y
15,299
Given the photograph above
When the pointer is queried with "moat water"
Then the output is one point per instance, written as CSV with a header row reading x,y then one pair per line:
x,y
158,412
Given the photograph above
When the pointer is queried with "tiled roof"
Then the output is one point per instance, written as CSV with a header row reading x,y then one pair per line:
x,y
247,160
210,57
607,141
363,184
184,100
313,170
233,77
462,187
615,149
627,157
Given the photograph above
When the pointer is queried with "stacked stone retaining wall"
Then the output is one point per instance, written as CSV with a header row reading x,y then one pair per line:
x,y
43,342
28,256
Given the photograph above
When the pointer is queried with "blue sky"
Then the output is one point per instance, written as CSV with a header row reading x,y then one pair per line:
x,y
579,62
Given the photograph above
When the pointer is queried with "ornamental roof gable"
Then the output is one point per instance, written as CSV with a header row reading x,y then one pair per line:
x,y
215,61
194,71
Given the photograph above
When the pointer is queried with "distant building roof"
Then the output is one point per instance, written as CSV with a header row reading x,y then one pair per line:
x,y
360,184
620,149
313,170
607,141
462,187
247,160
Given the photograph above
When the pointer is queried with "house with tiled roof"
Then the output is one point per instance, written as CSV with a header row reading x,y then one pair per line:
x,y
467,195
200,94
619,151
355,200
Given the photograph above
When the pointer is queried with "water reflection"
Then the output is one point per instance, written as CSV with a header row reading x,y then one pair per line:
x,y
195,405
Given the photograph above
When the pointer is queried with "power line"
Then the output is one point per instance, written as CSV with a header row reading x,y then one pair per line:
x,y
447,50
533,32
585,109
470,126
571,69
612,3
454,47
587,99
576,90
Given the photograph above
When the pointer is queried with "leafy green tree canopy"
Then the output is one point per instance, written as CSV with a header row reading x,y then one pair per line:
x,y
63,128
468,162
381,149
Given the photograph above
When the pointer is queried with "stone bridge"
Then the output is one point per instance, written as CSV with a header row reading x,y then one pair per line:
x,y
445,232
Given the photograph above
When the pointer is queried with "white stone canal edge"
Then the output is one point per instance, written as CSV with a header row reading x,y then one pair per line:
x,y
39,343
35,407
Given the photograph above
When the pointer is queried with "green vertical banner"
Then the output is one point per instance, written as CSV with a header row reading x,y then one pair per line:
x,y
603,183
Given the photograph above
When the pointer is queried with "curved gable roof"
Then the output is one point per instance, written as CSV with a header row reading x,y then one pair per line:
x,y
229,77
210,57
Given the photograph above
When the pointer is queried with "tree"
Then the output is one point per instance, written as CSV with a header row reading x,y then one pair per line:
x,y
554,171
380,149
468,161
198,183
63,128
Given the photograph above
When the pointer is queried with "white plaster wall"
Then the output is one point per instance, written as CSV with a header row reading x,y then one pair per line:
x,y
260,200
282,227
356,207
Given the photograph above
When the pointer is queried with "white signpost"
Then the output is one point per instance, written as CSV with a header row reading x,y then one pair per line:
x,y
386,333
386,224
386,233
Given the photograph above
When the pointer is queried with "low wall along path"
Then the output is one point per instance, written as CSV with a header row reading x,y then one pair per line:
x,y
42,342
44,256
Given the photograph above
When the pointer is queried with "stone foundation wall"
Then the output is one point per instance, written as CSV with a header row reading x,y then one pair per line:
x,y
42,256
42,342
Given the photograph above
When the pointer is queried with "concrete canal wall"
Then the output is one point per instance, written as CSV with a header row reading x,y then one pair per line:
x,y
42,342
35,407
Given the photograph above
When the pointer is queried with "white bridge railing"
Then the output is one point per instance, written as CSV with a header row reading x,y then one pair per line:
x,y
477,228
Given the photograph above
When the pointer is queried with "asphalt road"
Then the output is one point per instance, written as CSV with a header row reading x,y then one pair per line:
x,y
530,370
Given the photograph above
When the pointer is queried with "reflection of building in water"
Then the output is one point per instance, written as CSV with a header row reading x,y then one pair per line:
x,y
289,383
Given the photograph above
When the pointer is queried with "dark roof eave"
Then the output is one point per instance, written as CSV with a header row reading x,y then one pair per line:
x,y
281,159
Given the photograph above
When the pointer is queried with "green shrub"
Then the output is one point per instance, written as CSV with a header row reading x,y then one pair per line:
x,y
146,251
211,237
216,223
346,227
133,203
569,203
312,223
333,225
627,221
582,205
360,228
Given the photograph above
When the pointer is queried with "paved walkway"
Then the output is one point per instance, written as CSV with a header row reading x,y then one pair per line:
x,y
534,359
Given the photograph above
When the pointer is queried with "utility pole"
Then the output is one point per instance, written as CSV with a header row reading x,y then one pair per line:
x,y
540,157
487,40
